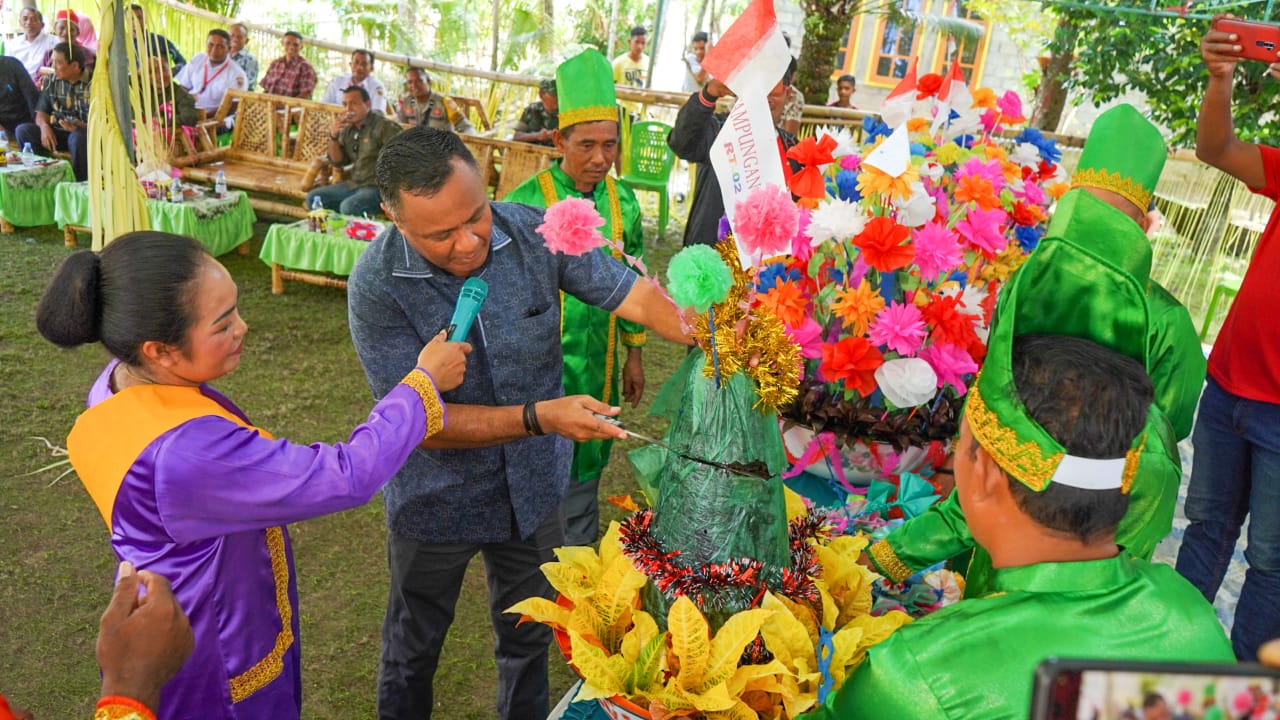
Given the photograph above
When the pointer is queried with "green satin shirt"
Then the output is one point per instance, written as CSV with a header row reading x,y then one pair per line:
x,y
976,659
592,338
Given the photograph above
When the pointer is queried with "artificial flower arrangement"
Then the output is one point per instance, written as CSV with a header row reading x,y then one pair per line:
x,y
889,285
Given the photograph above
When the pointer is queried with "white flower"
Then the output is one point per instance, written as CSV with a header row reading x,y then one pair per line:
x,y
966,124
945,580
907,382
835,220
1026,155
917,209
932,170
844,140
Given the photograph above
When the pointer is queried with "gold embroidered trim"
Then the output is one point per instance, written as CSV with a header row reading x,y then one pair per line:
x,y
890,565
1115,182
421,383
637,339
116,707
1131,459
1021,459
270,667
590,113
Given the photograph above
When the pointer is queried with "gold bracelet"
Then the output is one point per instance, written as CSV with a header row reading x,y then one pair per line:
x,y
421,382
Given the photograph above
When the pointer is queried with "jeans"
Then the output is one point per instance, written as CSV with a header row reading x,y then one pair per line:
x,y
348,199
1236,473
75,142
425,582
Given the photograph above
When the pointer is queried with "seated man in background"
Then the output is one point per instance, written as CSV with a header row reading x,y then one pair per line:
x,y
291,74
241,56
1050,441
62,112
360,75
18,95
211,74
356,138
66,29
423,106
157,44
539,121
172,100
31,46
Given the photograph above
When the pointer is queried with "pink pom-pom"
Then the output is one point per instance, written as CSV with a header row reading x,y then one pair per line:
x,y
766,221
571,227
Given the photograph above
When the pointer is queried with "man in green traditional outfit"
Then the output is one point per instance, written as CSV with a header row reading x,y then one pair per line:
x,y
588,140
1050,444
1104,214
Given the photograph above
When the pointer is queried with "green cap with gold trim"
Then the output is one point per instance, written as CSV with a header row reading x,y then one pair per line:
x,y
1125,154
584,85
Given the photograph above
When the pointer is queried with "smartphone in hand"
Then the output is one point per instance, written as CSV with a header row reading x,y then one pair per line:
x,y
1258,41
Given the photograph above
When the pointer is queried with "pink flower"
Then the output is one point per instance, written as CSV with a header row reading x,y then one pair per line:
x,y
991,121
951,363
984,229
937,251
989,171
801,245
571,227
850,162
899,327
1011,107
1031,192
766,221
808,337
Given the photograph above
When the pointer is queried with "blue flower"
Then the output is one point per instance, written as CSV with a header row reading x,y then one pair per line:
x,y
959,276
847,186
1028,236
1047,146
965,141
772,273
918,149
873,127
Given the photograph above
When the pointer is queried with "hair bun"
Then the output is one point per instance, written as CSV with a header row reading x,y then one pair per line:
x,y
70,311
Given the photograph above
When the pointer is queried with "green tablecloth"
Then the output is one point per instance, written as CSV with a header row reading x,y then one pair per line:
x,y
220,224
293,246
27,193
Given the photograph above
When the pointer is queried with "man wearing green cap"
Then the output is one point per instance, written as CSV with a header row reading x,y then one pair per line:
x,y
1050,443
1104,214
592,339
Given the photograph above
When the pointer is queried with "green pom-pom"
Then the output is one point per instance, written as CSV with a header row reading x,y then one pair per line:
x,y
698,278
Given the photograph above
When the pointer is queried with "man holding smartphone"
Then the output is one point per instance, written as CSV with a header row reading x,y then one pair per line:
x,y
1237,436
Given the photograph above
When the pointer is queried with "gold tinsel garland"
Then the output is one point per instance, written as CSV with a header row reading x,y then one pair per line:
x,y
753,341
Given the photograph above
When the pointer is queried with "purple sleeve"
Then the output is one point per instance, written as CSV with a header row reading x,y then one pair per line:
x,y
214,477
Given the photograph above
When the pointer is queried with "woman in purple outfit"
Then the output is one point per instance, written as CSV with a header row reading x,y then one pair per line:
x,y
188,487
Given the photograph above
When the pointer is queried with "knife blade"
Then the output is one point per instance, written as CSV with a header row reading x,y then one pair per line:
x,y
654,441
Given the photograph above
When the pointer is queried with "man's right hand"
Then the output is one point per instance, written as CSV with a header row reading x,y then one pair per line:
x,y
717,89
572,417
47,138
143,640
1220,50
340,123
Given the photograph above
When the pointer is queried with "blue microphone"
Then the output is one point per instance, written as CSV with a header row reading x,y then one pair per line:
x,y
474,291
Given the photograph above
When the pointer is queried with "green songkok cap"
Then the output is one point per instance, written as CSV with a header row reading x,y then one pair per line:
x,y
1124,154
1066,289
584,85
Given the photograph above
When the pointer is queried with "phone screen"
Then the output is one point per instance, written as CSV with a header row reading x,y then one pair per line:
x,y
1084,690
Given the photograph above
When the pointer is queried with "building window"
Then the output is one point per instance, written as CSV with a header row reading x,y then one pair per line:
x,y
969,51
897,45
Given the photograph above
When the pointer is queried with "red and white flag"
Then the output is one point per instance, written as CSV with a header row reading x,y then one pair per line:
x,y
954,94
896,108
752,55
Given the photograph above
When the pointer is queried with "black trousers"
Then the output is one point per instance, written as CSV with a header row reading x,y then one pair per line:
x,y
425,582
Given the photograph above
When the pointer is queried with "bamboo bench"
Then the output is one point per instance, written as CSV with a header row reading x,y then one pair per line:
x,y
279,146
506,163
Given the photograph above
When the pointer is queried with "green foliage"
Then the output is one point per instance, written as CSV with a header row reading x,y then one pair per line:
x,y
826,23
1160,57
592,24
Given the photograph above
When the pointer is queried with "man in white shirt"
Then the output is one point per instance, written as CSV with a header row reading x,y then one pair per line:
x,y
360,75
211,74
696,77
30,47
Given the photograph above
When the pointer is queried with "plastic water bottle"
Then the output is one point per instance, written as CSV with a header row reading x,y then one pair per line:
x,y
28,155
318,216
220,184
175,190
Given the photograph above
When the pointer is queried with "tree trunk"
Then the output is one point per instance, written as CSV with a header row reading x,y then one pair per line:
x,y
1051,98
546,42
702,15
497,13
825,26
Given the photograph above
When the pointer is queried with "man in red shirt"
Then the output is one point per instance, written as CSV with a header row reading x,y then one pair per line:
x,y
291,74
1236,471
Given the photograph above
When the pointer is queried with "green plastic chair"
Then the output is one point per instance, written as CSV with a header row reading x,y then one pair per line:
x,y
646,164
1226,289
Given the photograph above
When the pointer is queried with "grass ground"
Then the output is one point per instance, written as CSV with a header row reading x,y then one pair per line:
x,y
300,379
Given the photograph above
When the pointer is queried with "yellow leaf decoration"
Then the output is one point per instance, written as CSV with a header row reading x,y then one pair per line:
x,y
618,590
611,544
569,581
599,676
542,610
690,640
785,636
727,646
645,669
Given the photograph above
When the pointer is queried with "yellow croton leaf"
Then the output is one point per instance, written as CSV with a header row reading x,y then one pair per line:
x,y
738,711
690,640
786,636
747,674
711,699
726,647
585,620
795,504
805,614
876,629
600,677
542,610
611,544
618,590
569,580
797,696
646,670
847,650
830,611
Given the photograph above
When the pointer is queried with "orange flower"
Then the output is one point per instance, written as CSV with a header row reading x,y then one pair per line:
x,y
874,181
984,97
857,306
1028,214
994,152
917,124
977,189
852,361
1057,189
786,302
881,242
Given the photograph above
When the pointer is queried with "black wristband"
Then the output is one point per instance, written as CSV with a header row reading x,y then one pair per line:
x,y
531,424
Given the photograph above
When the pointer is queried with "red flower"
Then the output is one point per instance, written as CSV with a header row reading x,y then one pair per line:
x,y
951,324
1027,214
881,244
853,361
928,85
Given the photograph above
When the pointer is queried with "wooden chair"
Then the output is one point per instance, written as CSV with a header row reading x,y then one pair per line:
x,y
467,105
505,164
